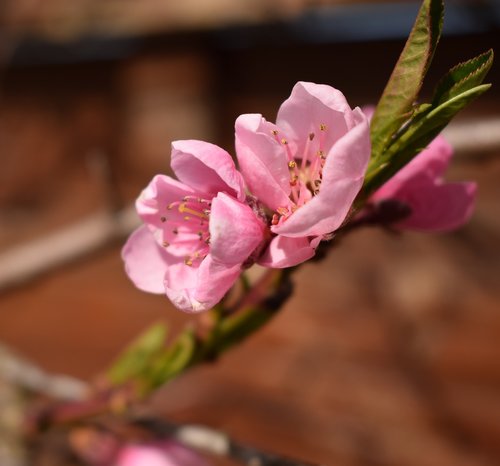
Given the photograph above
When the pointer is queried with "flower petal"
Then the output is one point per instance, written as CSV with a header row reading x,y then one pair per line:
x,y
195,290
436,206
311,106
145,261
263,160
343,175
206,168
235,230
432,162
286,252
153,208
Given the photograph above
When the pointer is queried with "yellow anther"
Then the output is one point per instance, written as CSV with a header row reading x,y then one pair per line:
x,y
322,127
284,141
321,154
183,208
274,132
188,261
292,164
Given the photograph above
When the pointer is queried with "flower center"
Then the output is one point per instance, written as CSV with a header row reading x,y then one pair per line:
x,y
185,230
306,172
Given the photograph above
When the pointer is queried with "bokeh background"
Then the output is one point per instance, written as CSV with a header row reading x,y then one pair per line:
x,y
388,353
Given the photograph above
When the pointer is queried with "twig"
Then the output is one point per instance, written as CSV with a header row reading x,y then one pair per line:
x,y
20,372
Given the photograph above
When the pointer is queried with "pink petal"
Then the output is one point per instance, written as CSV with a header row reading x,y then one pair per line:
x,y
152,206
343,175
155,198
432,161
437,206
206,168
145,261
263,160
235,230
198,289
286,252
310,106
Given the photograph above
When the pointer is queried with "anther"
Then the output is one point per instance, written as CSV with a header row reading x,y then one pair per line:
x,y
292,164
284,141
322,127
321,154
274,132
163,219
166,244
282,210
188,261
311,136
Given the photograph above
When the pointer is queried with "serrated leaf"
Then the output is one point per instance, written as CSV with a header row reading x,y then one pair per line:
x,y
417,137
138,355
463,77
402,89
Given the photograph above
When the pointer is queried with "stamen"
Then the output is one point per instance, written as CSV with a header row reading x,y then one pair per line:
x,y
188,261
322,127
292,164
183,208
166,244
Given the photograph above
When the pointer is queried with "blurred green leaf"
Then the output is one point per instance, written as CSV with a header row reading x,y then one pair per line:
x,y
463,77
401,91
137,357
171,361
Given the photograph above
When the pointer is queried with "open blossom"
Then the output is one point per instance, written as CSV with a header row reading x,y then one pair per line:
x,y
306,169
198,231
434,204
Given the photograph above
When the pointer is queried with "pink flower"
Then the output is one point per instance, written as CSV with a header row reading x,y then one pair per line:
x,y
307,168
160,454
198,231
435,205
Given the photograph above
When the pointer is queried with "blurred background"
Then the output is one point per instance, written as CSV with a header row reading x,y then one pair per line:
x,y
389,352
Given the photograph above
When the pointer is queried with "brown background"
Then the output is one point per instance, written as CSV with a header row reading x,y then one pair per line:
x,y
388,353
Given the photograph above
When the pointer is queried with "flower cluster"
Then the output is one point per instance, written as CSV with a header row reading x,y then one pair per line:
x,y
296,186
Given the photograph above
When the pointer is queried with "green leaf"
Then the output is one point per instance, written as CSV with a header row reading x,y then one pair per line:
x,y
136,358
401,91
171,361
417,137
463,77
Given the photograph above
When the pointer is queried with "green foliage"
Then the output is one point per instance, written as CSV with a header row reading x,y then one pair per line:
x,y
402,89
427,125
463,77
136,358
400,129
